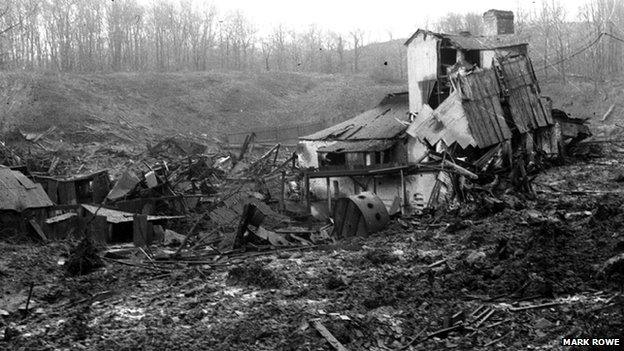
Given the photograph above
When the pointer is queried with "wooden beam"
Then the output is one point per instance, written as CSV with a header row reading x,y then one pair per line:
x,y
306,190
329,336
403,202
328,183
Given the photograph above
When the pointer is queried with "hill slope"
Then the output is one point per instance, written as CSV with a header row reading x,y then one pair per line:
x,y
193,102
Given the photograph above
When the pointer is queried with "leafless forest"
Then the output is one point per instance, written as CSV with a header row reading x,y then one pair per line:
x,y
123,35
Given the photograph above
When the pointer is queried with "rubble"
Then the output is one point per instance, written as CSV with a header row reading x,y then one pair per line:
x,y
83,258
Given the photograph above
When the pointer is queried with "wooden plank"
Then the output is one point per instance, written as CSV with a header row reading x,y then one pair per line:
x,y
67,193
493,117
328,336
498,110
101,187
524,98
52,190
476,109
518,112
98,229
140,235
339,216
474,124
38,230
536,105
481,108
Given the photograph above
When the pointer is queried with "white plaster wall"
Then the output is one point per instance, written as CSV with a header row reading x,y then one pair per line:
x,y
306,152
388,187
486,58
422,62
418,188
416,150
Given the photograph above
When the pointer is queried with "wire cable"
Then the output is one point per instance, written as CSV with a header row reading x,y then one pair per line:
x,y
576,53
581,50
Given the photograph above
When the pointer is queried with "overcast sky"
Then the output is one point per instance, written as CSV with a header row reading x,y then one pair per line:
x,y
380,18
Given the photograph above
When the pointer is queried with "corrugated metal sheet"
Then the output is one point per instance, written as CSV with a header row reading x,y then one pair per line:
x,y
18,193
447,123
357,146
481,102
475,42
86,176
525,105
114,216
381,122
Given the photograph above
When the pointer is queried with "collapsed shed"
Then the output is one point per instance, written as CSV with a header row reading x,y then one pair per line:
x,y
85,188
22,202
109,226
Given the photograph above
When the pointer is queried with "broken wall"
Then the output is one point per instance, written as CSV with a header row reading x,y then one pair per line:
x,y
487,56
418,188
307,152
416,150
422,69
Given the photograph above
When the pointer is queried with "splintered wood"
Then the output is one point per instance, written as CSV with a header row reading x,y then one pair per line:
x,y
328,336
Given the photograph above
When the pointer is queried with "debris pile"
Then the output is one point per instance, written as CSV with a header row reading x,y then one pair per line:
x,y
83,258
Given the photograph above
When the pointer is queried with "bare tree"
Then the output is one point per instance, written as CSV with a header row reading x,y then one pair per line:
x,y
357,36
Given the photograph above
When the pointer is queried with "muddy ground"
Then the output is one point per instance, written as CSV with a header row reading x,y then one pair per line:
x,y
518,276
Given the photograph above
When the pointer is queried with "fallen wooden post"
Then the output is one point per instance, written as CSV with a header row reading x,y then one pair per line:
x,y
413,339
548,304
437,263
486,317
135,265
30,291
328,336
460,170
445,331
496,340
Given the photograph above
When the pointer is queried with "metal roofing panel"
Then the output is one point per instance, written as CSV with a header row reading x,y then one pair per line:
x,y
357,146
114,216
85,176
18,193
491,42
522,88
475,42
448,123
381,122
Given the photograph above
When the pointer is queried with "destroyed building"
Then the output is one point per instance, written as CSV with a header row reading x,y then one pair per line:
x,y
85,188
368,152
474,107
430,55
22,202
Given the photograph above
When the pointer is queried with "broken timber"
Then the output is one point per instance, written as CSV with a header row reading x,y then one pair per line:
x,y
328,336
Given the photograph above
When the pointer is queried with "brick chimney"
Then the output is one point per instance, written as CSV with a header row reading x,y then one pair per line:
x,y
497,22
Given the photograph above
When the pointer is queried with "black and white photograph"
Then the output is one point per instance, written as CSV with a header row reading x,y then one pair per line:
x,y
328,175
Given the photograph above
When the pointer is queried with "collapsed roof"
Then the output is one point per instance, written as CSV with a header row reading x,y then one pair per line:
x,y
473,114
18,193
474,42
385,121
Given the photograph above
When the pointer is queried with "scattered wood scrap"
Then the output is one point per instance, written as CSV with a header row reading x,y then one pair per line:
x,y
328,336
